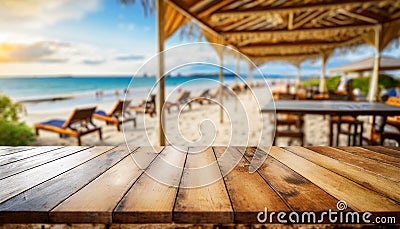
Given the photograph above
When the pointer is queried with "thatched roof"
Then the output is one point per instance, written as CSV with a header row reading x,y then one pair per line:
x,y
291,30
386,64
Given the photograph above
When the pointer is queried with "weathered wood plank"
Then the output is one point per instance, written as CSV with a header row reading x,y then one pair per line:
x,y
25,180
385,170
11,158
30,163
384,150
12,150
356,196
40,199
363,177
202,196
397,148
382,158
249,193
297,191
95,202
151,199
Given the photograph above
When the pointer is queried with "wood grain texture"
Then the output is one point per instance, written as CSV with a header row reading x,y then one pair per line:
x,y
356,196
151,199
249,193
30,163
397,148
11,158
202,196
298,192
59,188
12,150
382,158
384,170
95,202
384,150
363,177
25,180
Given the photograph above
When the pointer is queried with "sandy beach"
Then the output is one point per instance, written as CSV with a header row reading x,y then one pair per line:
x,y
243,125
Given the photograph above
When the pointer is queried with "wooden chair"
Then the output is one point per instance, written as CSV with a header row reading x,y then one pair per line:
x,y
146,106
117,115
289,121
355,127
385,129
78,124
183,98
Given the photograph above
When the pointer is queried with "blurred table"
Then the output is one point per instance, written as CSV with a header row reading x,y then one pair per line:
x,y
332,108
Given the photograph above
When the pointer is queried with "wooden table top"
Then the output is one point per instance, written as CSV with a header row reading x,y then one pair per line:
x,y
103,184
331,107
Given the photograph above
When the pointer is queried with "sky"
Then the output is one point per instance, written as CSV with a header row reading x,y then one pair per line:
x,y
105,37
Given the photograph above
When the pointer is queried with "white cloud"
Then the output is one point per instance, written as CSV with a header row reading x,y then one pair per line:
x,y
126,26
40,13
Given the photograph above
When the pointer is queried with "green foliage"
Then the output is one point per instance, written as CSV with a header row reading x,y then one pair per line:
x,y
13,132
310,82
332,83
8,110
385,81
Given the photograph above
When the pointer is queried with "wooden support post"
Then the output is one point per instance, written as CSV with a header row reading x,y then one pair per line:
x,y
324,57
373,86
249,78
221,86
297,84
160,73
236,78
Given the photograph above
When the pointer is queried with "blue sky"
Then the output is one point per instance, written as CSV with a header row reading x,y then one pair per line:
x,y
103,37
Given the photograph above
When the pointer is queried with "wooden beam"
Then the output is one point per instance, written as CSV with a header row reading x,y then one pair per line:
x,y
237,24
194,18
214,8
284,57
290,20
201,5
291,46
298,9
251,23
307,19
296,32
358,16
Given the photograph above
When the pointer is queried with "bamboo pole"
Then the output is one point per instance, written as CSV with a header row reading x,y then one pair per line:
x,y
160,74
236,78
373,86
297,84
324,57
249,78
221,86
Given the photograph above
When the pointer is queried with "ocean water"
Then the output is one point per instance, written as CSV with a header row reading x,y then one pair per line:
x,y
82,90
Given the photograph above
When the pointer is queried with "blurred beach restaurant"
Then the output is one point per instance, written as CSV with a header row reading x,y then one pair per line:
x,y
290,31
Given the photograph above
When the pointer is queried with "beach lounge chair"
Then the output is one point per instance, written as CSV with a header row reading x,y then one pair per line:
x,y
117,115
78,124
146,106
183,98
203,97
